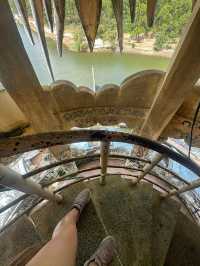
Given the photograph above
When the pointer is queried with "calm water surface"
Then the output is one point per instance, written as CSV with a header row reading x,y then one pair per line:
x,y
77,67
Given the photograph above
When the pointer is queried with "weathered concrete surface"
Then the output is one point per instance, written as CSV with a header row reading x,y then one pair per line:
x,y
15,239
148,231
46,216
43,109
26,255
90,233
185,246
165,214
126,213
11,115
90,229
173,90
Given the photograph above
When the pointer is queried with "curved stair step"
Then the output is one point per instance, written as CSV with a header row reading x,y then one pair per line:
x,y
90,233
25,256
90,229
185,245
47,214
148,231
126,213
16,240
165,213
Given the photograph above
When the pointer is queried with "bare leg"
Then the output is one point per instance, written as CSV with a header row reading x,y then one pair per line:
x,y
61,249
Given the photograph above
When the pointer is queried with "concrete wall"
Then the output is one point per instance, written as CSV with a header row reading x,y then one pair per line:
x,y
11,115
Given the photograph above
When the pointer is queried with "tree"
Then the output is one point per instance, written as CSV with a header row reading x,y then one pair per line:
x,y
107,27
139,29
79,41
171,17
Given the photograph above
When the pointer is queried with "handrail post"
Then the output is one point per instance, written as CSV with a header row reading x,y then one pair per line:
x,y
185,188
148,167
104,154
12,179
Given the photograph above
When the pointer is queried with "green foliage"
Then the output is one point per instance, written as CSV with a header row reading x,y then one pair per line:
x,y
71,12
79,41
107,27
139,29
171,17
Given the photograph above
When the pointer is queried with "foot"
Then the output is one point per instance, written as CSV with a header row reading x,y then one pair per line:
x,y
105,252
81,200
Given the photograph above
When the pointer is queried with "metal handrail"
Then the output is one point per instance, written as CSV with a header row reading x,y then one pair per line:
x,y
58,138
78,180
65,177
43,140
111,156
75,159
85,170
13,203
11,178
56,191
104,151
55,164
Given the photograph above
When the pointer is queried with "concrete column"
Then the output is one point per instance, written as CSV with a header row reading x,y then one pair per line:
x,y
19,78
12,179
181,75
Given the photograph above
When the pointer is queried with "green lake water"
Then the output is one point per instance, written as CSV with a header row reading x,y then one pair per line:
x,y
77,67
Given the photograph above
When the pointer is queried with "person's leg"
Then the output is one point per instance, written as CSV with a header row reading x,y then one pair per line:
x,y
61,249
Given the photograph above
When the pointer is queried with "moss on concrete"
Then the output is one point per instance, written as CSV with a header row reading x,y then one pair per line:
x,y
144,227
90,233
165,214
185,245
46,217
126,213
90,229
15,239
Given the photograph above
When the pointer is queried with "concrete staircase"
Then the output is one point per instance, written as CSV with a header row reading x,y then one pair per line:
x,y
148,231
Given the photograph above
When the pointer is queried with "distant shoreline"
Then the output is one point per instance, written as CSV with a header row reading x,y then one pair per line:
x,y
163,53
145,47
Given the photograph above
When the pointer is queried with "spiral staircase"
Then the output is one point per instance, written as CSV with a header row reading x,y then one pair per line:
x,y
148,230
144,210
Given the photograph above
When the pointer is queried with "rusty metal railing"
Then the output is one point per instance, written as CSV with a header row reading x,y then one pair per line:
x,y
14,180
